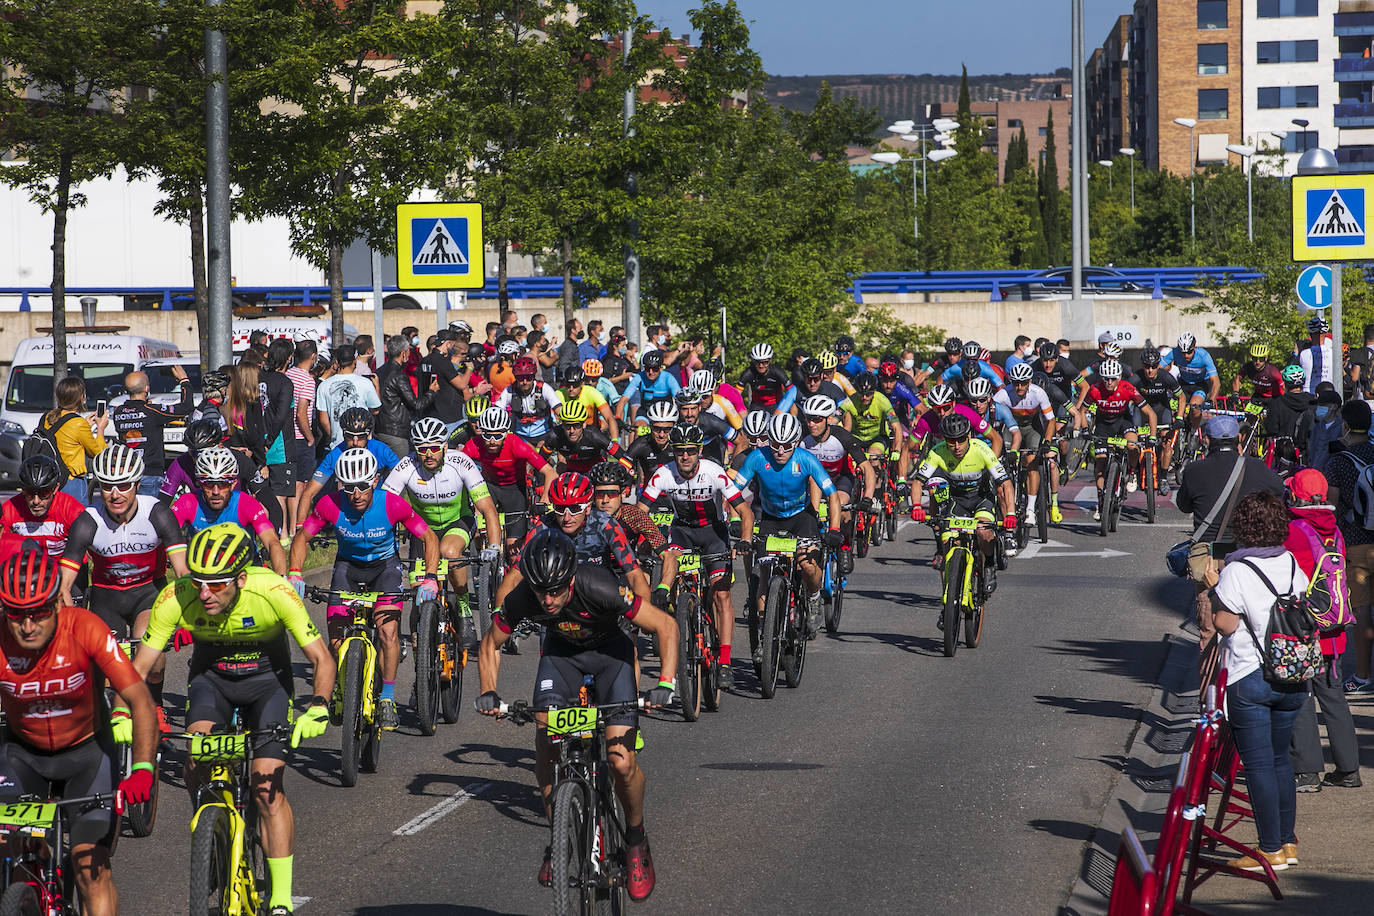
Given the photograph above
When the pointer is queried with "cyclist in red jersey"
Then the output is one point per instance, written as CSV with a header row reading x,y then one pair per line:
x,y
505,461
1114,398
54,662
40,510
1263,374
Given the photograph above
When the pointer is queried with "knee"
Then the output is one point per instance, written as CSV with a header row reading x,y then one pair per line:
x,y
623,765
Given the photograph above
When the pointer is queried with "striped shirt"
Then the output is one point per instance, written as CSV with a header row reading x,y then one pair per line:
x,y
304,383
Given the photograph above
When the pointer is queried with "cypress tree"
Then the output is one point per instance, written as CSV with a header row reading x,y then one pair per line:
x,y
1018,155
965,107
1049,196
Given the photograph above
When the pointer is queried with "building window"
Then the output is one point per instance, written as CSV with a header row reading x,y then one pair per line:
x,y
1288,97
1044,131
1211,14
1211,104
1211,59
1286,52
1013,122
1284,9
1300,141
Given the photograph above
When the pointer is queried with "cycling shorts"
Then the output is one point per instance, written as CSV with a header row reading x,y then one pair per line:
x,y
867,444
1031,438
802,525
562,666
708,540
1117,427
844,483
119,607
534,441
976,506
262,699
83,769
382,575
511,500
1164,416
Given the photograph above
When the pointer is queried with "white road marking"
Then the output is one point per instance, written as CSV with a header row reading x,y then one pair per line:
x,y
298,902
442,809
1051,549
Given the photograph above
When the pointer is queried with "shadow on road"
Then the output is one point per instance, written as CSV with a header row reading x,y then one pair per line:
x,y
427,909
1138,659
917,645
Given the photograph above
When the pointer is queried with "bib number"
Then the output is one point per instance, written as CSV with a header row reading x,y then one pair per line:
x,y
661,518
571,720
20,815
774,544
214,748
1117,441
963,524
689,562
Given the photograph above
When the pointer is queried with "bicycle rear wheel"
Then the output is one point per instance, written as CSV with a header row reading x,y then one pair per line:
x,y
354,728
1119,494
890,521
427,667
688,674
1108,497
774,621
861,534
954,602
211,882
614,901
21,900
794,640
1042,503
572,891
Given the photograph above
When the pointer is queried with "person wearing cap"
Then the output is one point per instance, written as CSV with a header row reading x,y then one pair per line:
x,y
1326,429
1312,532
1203,483
1343,471
450,371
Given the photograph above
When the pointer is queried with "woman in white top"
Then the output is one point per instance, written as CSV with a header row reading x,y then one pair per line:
x,y
1261,714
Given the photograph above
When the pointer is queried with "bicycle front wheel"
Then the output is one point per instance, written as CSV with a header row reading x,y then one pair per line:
x,y
794,639
954,599
427,667
688,674
1042,502
774,622
1150,483
211,882
835,609
572,885
1108,500
21,900
451,673
488,577
354,729
141,816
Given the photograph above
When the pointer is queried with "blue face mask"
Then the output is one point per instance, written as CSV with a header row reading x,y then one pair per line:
x,y
415,341
1323,411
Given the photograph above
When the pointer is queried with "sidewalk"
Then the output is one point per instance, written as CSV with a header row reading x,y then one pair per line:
x,y
1336,874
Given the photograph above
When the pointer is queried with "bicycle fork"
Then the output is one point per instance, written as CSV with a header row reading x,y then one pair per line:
x,y
241,897
369,710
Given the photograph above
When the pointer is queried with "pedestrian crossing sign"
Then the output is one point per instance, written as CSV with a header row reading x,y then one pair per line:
x,y
439,246
1330,217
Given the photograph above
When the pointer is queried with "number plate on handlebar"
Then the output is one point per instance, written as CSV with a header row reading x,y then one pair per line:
x,y
417,572
572,720
1254,408
27,814
350,599
963,524
1118,441
689,562
661,518
207,748
780,545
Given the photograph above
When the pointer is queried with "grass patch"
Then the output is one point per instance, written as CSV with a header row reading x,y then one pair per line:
x,y
319,556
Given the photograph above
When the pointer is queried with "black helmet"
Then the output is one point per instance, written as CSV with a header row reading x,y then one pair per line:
x,y
476,352
214,380
811,368
953,345
1149,357
652,360
574,376
610,474
970,369
204,433
865,383
844,344
955,426
686,434
39,473
549,560
1049,350
357,421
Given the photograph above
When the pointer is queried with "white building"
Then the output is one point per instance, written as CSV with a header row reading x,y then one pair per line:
x,y
1287,55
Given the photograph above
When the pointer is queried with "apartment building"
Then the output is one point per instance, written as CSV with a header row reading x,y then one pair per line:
x,y
1288,50
1109,93
1004,120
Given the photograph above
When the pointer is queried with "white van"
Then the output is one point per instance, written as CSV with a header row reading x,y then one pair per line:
x,y
101,359
316,328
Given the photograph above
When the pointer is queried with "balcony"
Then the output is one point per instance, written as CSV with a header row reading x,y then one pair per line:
x,y
1355,114
1354,24
1354,70
1355,158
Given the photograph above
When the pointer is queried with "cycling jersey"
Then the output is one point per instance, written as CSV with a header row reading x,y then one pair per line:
x,y
600,541
1195,371
245,511
125,555
506,468
386,459
696,498
955,374
1318,364
715,433
648,456
660,389
1116,403
905,403
1267,380
1058,381
590,449
140,426
1159,392
782,488
875,421
765,390
366,536
589,397
590,618
1031,409
249,638
999,415
721,407
442,496
531,412
181,476
930,422
789,399
51,698
839,453
50,530
977,473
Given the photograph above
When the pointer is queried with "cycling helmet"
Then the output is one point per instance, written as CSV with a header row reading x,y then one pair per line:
x,y
829,361
760,353
953,345
687,395
357,421
117,464
508,347
1110,368
524,368
1318,325
978,388
570,489
811,367
1187,342
220,551
494,420
940,395
1149,357
887,371
573,412
704,381
1112,350
476,352
864,383
971,350
355,466
214,382
573,376
1049,350
204,434
429,431
652,360
39,473
844,344
591,368
549,560
663,411
1021,372
818,405
784,429
29,578
1293,375
460,327
610,474
985,355
756,424
476,405
1259,351
687,435
968,369
955,426
216,463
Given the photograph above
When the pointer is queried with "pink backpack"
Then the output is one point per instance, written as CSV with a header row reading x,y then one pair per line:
x,y
1328,590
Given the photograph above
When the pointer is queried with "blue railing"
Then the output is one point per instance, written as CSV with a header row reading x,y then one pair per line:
x,y
1354,24
1354,114
1360,66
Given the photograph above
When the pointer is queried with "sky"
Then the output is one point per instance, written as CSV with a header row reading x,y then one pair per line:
x,y
818,37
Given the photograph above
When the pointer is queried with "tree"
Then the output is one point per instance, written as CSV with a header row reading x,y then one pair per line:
x,y
1049,196
1018,155
830,128
965,107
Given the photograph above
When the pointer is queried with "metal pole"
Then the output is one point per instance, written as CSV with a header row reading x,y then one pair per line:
x,y
218,215
1076,191
441,310
915,207
378,330
630,307
1192,190
1250,197
1337,363
1132,158
1080,131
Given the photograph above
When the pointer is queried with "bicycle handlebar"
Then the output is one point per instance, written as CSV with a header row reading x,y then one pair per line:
x,y
522,713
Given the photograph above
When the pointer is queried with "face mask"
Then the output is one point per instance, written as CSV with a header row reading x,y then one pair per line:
x,y
1027,350
622,351
908,364
1063,354
415,341
1323,411
661,340
579,335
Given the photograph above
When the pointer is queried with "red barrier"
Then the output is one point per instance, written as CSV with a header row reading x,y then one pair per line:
x,y
1134,882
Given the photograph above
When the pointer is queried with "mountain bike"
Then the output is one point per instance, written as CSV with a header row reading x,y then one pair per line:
x,y
485,576
588,848
698,669
1114,449
439,657
40,879
963,578
780,629
833,582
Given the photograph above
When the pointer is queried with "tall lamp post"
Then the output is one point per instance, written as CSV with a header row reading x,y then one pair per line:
x,y
1130,154
935,155
1301,125
1247,153
1191,123
1107,164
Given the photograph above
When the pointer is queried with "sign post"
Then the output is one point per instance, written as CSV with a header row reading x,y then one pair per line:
x,y
439,246
1330,223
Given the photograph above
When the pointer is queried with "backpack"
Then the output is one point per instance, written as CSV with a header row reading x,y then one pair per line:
x,y
1362,500
44,442
1328,591
1291,654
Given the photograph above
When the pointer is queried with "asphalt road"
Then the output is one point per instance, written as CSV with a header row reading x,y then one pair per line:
x,y
892,780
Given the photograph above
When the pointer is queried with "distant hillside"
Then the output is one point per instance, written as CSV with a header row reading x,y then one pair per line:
x,y
903,95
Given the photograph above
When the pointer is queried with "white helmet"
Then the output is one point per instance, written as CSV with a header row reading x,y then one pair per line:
x,y
819,405
784,429
940,395
216,463
428,430
662,411
494,420
756,423
704,380
978,388
1110,368
1112,349
508,348
117,464
1021,372
760,352
355,466
1187,342
460,327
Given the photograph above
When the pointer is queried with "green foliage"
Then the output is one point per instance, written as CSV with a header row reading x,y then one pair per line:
x,y
831,127
1050,219
877,331
1018,156
965,109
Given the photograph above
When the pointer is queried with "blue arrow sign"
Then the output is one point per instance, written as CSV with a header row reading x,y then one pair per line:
x,y
1314,287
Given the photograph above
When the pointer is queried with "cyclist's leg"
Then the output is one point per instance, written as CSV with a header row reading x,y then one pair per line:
x,y
88,769
387,615
138,607
265,699
720,573
1132,450
611,665
207,706
557,681
1030,443
511,501
805,525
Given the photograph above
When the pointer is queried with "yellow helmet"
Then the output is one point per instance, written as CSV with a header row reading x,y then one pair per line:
x,y
829,361
219,551
573,412
478,404
1259,351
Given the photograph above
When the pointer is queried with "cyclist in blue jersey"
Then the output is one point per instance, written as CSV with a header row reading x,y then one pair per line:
x,y
1196,372
958,373
850,363
651,384
357,424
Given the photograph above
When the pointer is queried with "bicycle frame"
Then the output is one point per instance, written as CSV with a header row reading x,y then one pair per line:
x,y
49,875
360,630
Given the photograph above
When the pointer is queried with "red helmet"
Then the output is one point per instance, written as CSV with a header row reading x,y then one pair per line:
x,y
524,368
887,370
29,578
570,489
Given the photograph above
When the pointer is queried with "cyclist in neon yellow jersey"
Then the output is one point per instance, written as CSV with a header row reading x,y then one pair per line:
x,y
869,416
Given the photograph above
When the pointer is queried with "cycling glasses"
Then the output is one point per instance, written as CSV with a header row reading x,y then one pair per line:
x,y
215,484
126,487
354,487
29,613
574,509
214,585
40,493
430,449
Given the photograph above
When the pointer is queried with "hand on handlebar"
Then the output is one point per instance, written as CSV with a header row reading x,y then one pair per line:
x,y
488,704
658,696
918,513
1009,522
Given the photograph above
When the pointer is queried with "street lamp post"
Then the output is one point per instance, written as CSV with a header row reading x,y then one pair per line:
x,y
1301,125
936,155
1247,153
1191,124
1107,164
1130,154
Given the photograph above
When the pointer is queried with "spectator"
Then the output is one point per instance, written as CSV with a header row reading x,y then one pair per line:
x,y
1326,428
141,425
412,367
400,406
366,351
1360,362
1063,346
537,343
1343,471
569,353
1312,531
243,412
279,416
75,441
341,392
451,377
1021,352
1261,714
493,331
508,321
303,381
592,347
615,368
538,321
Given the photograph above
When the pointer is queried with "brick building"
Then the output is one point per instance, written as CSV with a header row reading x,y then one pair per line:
x,y
1004,120
1108,84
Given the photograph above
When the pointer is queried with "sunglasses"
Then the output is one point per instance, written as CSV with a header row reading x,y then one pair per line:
x,y
661,429
565,511
354,487
979,400
493,437
214,585
817,419
356,437
605,494
216,484
17,614
949,441
43,494
429,449
120,487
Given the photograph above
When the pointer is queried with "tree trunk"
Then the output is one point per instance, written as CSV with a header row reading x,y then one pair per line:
x,y
567,281
59,269
503,294
200,289
336,322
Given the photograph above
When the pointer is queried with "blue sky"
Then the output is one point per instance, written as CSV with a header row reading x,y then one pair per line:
x,y
814,37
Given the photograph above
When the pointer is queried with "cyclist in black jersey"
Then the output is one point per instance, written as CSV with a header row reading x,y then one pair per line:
x,y
577,446
763,383
648,453
1163,393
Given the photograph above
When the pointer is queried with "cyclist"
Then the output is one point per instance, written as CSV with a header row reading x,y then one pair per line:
x,y
40,510
978,396
1033,418
650,385
763,383
783,474
1289,416
357,424
444,486
942,404
506,462
852,364
1265,375
905,402
366,560
1056,374
705,382
1165,396
181,473
577,446
54,661
218,500
530,402
1115,399
843,459
975,478
970,366
1317,361
648,453
473,411
695,487
581,608
240,616
576,390
718,436
1196,373
870,417
953,352
1107,348
611,484
593,373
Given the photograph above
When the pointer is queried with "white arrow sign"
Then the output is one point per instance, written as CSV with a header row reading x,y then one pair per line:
x,y
1049,550
1318,284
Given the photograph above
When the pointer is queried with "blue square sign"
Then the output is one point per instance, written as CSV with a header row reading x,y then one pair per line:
x,y
439,246
1335,217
